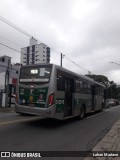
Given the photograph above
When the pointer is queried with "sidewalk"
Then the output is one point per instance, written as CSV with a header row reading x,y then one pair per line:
x,y
110,143
7,109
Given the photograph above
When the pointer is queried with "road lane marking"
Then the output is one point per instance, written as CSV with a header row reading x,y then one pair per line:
x,y
40,117
112,108
20,120
105,110
95,115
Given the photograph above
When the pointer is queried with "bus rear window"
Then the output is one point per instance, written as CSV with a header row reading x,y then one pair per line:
x,y
35,74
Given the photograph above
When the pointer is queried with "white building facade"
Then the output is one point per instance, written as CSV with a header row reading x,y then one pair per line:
x,y
35,53
5,64
8,78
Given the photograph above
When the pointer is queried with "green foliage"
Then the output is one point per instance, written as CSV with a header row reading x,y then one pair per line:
x,y
99,78
112,91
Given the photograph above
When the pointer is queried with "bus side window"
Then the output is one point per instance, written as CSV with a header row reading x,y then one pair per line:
x,y
93,90
77,86
60,83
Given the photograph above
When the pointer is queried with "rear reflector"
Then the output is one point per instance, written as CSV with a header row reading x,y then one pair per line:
x,y
51,99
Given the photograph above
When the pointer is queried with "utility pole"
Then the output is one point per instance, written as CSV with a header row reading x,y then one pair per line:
x,y
7,83
61,58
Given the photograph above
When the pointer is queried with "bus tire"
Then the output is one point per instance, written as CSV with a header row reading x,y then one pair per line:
x,y
82,113
23,114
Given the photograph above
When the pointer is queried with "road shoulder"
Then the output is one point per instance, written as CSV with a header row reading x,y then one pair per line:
x,y
111,142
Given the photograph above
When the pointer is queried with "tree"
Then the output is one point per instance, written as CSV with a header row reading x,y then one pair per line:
x,y
99,78
112,91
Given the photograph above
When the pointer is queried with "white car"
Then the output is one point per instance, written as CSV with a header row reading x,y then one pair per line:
x,y
110,102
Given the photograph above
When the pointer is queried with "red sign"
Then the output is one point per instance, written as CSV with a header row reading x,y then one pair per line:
x,y
14,81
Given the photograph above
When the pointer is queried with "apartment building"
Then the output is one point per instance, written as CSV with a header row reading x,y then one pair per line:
x,y
35,53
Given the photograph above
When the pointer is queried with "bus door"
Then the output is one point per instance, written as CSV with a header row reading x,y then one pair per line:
x,y
69,84
93,98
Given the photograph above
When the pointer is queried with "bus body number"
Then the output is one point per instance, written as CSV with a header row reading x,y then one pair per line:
x,y
60,101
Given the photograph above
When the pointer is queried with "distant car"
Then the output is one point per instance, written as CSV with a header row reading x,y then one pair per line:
x,y
110,102
117,101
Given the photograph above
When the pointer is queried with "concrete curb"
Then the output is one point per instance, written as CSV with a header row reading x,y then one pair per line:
x,y
7,109
111,142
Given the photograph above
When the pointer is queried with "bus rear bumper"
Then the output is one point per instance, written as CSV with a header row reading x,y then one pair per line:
x,y
47,112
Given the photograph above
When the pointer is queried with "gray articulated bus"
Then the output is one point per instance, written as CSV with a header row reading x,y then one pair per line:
x,y
55,92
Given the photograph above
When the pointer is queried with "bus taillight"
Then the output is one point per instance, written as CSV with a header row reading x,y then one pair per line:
x,y
16,98
51,99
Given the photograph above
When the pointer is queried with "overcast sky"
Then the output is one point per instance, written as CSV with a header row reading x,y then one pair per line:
x,y
86,31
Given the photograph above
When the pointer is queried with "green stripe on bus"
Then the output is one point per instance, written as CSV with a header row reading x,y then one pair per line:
x,y
37,96
59,105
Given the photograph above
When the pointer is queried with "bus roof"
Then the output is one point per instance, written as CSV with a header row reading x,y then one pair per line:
x,y
80,75
66,70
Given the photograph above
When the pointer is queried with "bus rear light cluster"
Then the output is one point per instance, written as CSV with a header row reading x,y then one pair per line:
x,y
16,98
51,99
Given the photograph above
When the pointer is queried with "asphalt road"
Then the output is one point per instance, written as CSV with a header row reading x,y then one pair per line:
x,y
31,133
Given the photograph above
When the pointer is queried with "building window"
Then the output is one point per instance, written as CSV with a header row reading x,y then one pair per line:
x,y
3,59
33,48
28,49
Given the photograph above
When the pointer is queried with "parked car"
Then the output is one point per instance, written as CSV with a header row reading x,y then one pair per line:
x,y
117,101
110,102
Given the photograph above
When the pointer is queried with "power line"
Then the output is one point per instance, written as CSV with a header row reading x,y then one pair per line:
x,y
75,63
9,47
10,41
22,31
14,26
41,61
28,35
12,49
17,28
